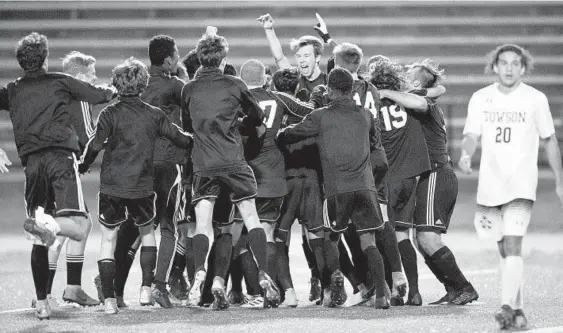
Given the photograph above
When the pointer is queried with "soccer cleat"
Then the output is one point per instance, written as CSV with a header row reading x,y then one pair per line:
x,y
98,284
337,291
120,302
145,297
447,298
39,231
400,283
315,291
519,320
111,306
43,309
382,303
75,294
270,291
465,296
53,303
414,300
254,302
220,300
194,296
326,299
396,299
290,300
505,317
162,298
236,297
178,288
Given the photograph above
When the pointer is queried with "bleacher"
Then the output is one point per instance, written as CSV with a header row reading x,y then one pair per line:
x,y
456,34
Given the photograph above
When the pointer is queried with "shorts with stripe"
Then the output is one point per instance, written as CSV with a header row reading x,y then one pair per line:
x,y
359,207
509,219
240,184
402,200
52,181
167,182
113,211
269,210
436,196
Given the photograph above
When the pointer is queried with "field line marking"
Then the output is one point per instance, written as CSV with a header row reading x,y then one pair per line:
x,y
554,329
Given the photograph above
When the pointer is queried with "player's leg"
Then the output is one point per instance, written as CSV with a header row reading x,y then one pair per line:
x,y
177,282
128,242
54,253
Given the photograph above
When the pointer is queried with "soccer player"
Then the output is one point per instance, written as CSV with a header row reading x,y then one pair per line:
x,y
510,118
350,193
210,107
47,144
130,127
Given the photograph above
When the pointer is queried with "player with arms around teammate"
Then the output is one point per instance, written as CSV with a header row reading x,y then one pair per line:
x,y
210,107
510,118
47,144
127,130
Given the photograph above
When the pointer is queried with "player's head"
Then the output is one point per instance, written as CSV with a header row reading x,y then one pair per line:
x,y
191,63
340,83
212,51
372,61
348,56
307,51
81,66
230,70
130,78
387,75
32,52
286,80
163,52
509,62
424,74
253,73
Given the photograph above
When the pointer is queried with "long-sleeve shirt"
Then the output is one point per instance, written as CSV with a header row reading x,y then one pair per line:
x,y
38,105
130,128
346,134
210,107
81,119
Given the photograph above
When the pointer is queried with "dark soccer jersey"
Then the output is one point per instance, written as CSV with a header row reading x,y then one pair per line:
x,y
434,128
210,108
81,120
38,102
403,141
165,92
305,87
344,133
130,127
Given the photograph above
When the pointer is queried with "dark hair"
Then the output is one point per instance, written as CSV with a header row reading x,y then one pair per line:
x,y
387,75
160,47
130,78
211,50
230,70
286,80
191,63
75,62
31,52
296,44
253,72
349,56
525,56
427,72
341,80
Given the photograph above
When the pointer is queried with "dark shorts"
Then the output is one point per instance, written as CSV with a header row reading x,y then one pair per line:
x,y
167,181
223,209
359,207
52,182
436,196
240,185
113,211
303,202
269,210
402,201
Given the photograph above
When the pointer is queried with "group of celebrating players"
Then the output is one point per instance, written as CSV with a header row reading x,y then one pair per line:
x,y
225,164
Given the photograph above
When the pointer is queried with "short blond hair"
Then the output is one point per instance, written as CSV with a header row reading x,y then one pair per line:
x,y
296,44
76,62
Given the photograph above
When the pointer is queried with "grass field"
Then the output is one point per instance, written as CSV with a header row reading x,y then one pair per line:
x,y
478,259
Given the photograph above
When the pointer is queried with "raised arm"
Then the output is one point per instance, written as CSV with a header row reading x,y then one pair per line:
x,y
322,30
407,100
307,128
275,47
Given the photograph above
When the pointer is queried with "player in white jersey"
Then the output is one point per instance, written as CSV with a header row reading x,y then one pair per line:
x,y
510,118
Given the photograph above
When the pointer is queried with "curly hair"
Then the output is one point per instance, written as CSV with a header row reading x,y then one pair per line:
x,y
349,56
427,72
230,70
387,75
191,62
76,62
341,80
211,50
286,80
31,51
525,57
296,44
130,78
161,47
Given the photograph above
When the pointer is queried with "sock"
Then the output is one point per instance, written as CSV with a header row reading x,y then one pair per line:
x,y
190,267
511,279
257,243
74,265
200,248
223,255
164,258
178,262
107,275
388,240
376,269
332,262
445,263
236,274
52,271
310,257
317,247
207,296
148,264
40,270
271,257
408,257
387,274
346,266
250,271
358,258
282,267
122,268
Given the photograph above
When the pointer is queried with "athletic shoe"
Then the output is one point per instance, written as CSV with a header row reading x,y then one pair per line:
x,y
382,302
315,291
75,294
145,297
53,303
337,292
505,317
465,296
111,306
220,301
400,283
414,300
519,320
396,299
39,231
98,284
270,291
194,296
236,297
326,298
290,300
178,288
120,302
254,302
42,309
161,297
447,298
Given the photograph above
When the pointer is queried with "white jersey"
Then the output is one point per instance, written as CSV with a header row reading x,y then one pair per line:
x,y
510,127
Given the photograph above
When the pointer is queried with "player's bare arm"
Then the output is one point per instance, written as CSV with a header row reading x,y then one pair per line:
x,y
435,92
468,148
4,162
268,24
407,100
551,146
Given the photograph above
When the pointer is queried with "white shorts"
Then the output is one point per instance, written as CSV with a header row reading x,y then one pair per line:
x,y
510,219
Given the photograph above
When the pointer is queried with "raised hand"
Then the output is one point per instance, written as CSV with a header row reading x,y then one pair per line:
x,y
465,164
267,21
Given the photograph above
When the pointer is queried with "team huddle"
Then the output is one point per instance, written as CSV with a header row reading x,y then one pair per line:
x,y
225,162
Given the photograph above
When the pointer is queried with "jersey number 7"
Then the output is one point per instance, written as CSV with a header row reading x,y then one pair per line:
x,y
269,107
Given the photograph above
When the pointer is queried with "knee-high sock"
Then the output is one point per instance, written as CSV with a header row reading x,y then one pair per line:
x,y
388,240
74,265
446,265
40,270
237,274
512,277
310,257
223,255
376,269
257,242
107,276
148,264
122,268
282,266
200,248
250,270
408,257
